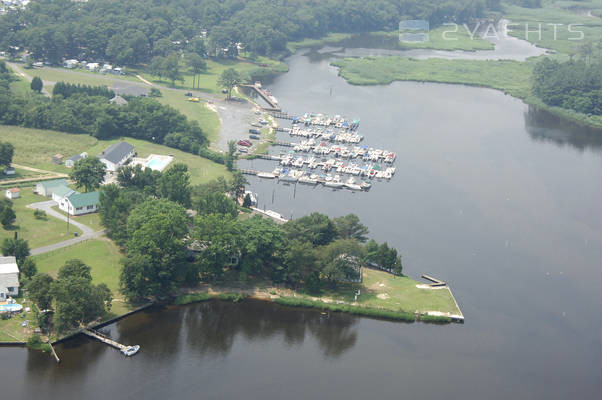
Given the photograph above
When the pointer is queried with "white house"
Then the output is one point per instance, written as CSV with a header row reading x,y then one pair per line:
x,y
80,203
45,188
116,155
70,162
9,171
12,193
9,278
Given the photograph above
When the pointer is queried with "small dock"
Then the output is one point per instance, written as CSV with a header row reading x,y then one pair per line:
x,y
281,115
105,339
274,107
436,282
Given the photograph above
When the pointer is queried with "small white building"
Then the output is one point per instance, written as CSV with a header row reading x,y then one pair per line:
x,y
59,193
9,171
9,277
70,162
116,155
12,193
80,203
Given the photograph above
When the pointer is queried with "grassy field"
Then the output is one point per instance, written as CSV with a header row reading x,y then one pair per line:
x,y
38,232
19,174
11,329
556,12
382,290
207,81
510,76
92,220
35,148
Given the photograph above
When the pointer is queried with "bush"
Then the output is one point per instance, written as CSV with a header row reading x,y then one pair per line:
x,y
212,155
39,214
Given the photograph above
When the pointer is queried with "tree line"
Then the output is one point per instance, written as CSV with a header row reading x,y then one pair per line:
x,y
134,31
575,84
86,110
165,247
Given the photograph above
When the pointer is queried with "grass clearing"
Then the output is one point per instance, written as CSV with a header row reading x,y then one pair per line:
x,y
92,220
38,232
102,255
35,148
11,329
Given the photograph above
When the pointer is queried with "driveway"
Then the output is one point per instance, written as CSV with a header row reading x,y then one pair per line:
x,y
87,232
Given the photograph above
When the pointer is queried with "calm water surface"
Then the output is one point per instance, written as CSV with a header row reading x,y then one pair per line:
x,y
500,201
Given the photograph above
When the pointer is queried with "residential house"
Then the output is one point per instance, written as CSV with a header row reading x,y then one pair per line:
x,y
45,188
116,155
59,193
12,193
70,162
80,203
9,278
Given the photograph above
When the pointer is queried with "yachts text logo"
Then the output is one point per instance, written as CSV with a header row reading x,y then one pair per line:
x,y
413,31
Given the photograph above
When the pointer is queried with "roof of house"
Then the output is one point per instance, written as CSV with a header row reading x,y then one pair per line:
x,y
84,199
63,191
14,190
8,265
75,158
53,183
116,152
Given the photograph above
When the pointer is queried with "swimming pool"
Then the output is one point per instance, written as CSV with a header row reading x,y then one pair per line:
x,y
10,307
157,164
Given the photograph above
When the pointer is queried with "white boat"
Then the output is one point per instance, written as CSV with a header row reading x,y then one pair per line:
x,y
353,186
334,184
130,350
308,180
266,175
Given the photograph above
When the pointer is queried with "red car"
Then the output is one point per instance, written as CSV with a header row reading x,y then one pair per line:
x,y
245,143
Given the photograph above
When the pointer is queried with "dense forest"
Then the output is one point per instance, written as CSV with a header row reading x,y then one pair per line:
x,y
87,110
134,31
575,85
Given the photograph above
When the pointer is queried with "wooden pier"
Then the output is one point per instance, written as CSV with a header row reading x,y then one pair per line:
x,y
274,107
281,115
283,143
106,340
249,171
436,282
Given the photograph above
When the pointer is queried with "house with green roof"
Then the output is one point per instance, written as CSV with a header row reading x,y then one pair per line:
x,y
45,188
80,203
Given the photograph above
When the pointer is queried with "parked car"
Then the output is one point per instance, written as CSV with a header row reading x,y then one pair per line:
x,y
245,143
243,150
255,131
254,137
188,94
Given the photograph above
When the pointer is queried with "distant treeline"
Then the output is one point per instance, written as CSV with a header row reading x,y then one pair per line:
x,y
133,31
141,118
575,85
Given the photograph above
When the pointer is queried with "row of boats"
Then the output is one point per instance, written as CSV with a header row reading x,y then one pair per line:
x,y
328,180
364,152
341,136
324,120
369,170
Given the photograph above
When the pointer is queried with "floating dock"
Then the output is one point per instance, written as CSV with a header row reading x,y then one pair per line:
x,y
274,107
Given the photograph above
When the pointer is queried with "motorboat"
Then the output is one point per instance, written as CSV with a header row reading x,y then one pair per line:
x,y
130,350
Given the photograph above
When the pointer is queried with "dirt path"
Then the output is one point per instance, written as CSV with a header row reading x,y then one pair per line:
x,y
43,175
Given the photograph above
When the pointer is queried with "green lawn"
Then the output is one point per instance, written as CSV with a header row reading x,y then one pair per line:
x,y
380,289
35,148
102,255
11,329
37,232
92,220
19,174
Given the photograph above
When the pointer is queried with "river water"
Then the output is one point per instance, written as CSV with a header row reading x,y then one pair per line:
x,y
499,200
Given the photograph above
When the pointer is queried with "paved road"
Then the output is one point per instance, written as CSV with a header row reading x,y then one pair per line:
x,y
87,232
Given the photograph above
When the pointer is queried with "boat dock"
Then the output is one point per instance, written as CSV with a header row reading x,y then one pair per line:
x,y
436,282
105,339
274,107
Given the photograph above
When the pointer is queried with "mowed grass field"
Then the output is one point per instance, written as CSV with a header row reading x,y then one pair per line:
x,y
382,290
35,148
103,257
38,232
